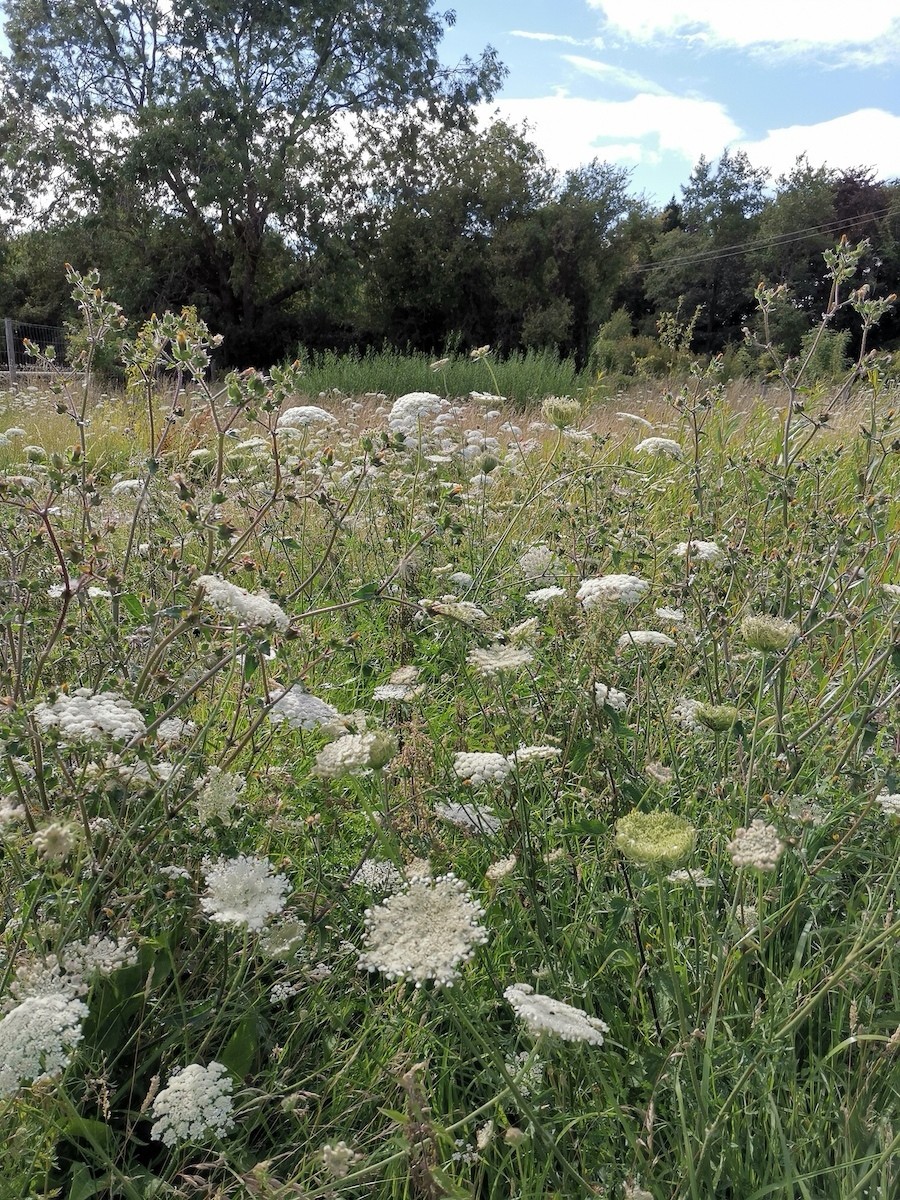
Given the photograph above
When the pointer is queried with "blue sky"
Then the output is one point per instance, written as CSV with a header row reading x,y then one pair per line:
x,y
653,84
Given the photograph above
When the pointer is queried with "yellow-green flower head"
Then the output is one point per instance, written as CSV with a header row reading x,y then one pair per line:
x,y
561,411
718,717
655,838
768,634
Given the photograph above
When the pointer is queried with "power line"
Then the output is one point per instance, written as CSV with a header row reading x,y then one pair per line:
x,y
782,239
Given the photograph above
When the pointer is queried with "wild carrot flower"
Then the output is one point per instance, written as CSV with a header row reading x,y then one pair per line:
x,y
718,717
700,552
353,754
480,767
473,817
242,891
668,447
537,562
543,596
889,802
302,416
85,715
218,794
198,1102
299,709
561,411
249,609
611,589
497,660
768,634
35,1040
758,846
610,697
425,931
644,637
655,838
542,1014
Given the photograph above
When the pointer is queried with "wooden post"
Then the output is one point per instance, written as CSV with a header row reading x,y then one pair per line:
x,y
10,349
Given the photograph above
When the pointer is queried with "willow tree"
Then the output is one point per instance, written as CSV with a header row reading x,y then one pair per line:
x,y
245,118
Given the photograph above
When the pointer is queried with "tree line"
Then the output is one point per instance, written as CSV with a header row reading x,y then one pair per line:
x,y
310,174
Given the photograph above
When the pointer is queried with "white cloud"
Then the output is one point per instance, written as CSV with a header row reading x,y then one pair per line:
x,y
794,24
614,76
554,37
869,137
571,130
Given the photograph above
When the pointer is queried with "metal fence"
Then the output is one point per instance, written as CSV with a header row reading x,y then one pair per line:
x,y
16,362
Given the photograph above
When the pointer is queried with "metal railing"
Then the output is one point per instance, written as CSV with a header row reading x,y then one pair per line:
x,y
16,333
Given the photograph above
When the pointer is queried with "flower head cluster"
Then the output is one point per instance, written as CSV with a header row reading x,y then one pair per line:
x,y
684,714
338,1159
463,611
353,754
649,638
198,1102
70,972
543,596
474,817
253,610
242,891
481,767
410,410
426,931
35,1039
543,1014
301,416
888,802
655,838
524,756
56,841
218,794
402,685
300,710
378,875
561,411
768,634
718,717
495,660
610,697
668,447
85,715
537,562
174,729
758,846
700,552
611,589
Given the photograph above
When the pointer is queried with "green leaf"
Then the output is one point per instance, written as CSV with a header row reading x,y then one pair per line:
x,y
240,1049
97,1134
367,592
132,605
82,1184
587,828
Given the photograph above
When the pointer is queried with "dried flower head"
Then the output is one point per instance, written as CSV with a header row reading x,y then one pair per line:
x,y
718,717
561,411
425,931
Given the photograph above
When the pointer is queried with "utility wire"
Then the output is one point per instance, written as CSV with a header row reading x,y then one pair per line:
x,y
782,239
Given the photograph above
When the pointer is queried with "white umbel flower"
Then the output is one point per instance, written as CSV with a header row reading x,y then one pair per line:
x,y
543,1014
354,754
538,562
758,846
611,589
301,416
481,767
700,552
668,447
644,637
409,411
888,802
543,596
218,794
610,697
35,1039
85,715
299,709
253,610
242,891
496,660
198,1102
473,817
426,931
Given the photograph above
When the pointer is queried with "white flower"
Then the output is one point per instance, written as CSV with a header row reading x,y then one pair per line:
x,y
56,841
685,712
543,596
889,802
197,1102
538,562
353,754
690,875
481,767
35,1038
378,875
659,445
610,697
758,846
496,659
303,415
338,1159
299,709
611,589
218,793
644,637
500,869
426,931
542,1014
525,755
84,715
474,817
669,614
410,410
699,552
253,610
174,729
242,891
892,590
457,610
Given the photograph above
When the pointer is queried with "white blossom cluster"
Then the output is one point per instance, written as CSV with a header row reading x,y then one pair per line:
x,y
379,875
543,1014
610,697
684,714
526,755
56,841
300,709
889,802
426,931
85,715
242,891
410,410
218,794
481,767
644,637
538,563
543,596
301,416
497,659
402,685
611,589
174,729
464,611
758,846
197,1102
700,552
251,609
353,754
668,447
474,817
35,1040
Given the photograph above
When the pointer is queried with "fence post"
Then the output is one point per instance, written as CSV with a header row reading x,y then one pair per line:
x,y
10,349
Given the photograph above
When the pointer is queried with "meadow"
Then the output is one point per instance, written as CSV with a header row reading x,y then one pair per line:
x,y
416,796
